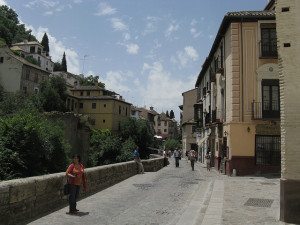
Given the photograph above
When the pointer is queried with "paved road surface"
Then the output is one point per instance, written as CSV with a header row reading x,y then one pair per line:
x,y
178,196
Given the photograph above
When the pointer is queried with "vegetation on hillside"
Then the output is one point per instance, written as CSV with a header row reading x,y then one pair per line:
x,y
30,145
11,31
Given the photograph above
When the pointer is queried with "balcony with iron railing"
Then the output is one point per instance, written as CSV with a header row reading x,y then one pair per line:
x,y
266,110
218,116
268,49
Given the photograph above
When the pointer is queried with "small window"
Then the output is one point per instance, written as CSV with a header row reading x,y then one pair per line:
x,y
165,123
39,50
32,49
75,105
165,130
80,105
25,90
1,59
36,90
81,93
103,121
104,105
119,109
93,121
27,74
88,93
94,105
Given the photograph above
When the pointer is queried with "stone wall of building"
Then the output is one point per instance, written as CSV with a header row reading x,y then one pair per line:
x,y
23,199
288,32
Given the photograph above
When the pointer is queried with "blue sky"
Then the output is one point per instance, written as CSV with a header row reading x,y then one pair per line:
x,y
147,51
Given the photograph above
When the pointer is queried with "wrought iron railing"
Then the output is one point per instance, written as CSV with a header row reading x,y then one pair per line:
x,y
268,49
265,110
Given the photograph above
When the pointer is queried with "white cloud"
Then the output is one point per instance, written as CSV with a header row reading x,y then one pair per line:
x,y
126,36
194,22
2,2
48,13
161,89
104,9
194,33
210,36
57,48
151,25
132,48
118,25
184,57
115,80
44,3
77,1
171,29
191,52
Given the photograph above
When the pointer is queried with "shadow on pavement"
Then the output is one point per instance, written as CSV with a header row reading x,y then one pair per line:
x,y
80,214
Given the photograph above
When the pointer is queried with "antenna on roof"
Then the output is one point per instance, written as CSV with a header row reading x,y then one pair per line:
x,y
83,62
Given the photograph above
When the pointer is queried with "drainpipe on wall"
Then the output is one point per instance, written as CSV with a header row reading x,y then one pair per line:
x,y
242,69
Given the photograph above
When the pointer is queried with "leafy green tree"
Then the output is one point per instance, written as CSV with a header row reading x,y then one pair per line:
x,y
57,67
12,102
104,148
11,31
64,63
172,116
126,153
53,94
45,43
30,145
91,81
140,131
171,144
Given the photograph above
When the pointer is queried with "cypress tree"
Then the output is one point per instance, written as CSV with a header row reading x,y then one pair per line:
x,y
45,43
64,63
167,114
172,116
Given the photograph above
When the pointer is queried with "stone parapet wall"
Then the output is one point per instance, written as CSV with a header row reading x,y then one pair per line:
x,y
23,199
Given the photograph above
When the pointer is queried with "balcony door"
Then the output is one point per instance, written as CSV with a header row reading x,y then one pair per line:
x,y
270,99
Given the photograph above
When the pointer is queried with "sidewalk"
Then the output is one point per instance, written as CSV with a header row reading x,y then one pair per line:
x,y
240,200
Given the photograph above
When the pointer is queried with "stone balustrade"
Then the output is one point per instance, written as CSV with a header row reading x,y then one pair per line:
x,y
23,199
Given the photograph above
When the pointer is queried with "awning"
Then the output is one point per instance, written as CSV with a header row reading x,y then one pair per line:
x,y
202,140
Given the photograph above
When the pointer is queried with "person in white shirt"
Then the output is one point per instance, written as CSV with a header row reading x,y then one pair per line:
x,y
192,158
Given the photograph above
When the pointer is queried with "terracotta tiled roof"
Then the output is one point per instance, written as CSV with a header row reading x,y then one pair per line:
x,y
104,97
28,43
22,60
266,13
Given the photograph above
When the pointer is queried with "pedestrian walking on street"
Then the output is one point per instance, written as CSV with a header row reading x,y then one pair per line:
x,y
176,156
138,161
192,158
207,160
75,174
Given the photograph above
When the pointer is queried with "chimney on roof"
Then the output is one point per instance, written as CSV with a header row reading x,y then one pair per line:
x,y
121,98
151,108
97,84
75,84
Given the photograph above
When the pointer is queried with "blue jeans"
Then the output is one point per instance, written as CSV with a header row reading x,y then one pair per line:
x,y
177,161
74,193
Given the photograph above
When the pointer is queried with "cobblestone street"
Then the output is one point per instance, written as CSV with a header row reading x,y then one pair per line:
x,y
178,196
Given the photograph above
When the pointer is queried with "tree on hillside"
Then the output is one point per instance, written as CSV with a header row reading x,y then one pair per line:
x,y
91,81
172,116
53,94
64,63
45,43
57,67
167,113
30,145
10,29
